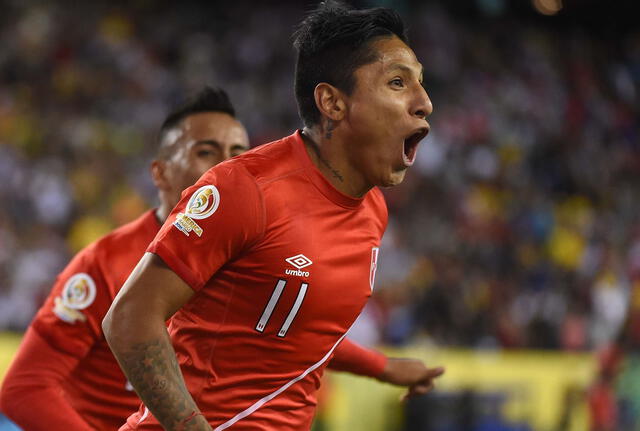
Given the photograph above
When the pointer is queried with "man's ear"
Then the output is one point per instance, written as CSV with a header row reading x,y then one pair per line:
x,y
330,101
159,174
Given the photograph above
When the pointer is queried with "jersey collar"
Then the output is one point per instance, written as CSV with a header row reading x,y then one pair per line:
x,y
316,177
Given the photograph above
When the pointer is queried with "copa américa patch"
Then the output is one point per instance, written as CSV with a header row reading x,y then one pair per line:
x,y
202,204
78,293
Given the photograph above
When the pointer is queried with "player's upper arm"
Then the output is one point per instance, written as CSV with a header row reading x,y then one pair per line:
x,y
70,318
218,218
152,293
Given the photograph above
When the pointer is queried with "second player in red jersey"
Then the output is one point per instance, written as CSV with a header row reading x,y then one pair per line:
x,y
64,376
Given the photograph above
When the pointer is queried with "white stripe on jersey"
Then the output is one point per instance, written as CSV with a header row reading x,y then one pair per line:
x,y
255,406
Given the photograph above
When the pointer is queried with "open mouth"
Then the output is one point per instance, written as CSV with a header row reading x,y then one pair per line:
x,y
411,145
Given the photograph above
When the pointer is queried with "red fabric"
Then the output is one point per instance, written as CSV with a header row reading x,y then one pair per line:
x,y
32,394
353,358
79,372
603,407
610,360
273,205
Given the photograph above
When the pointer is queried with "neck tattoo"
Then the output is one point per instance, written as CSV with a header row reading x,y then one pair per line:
x,y
330,127
336,174
316,149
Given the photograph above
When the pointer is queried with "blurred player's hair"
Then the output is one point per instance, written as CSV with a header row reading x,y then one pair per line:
x,y
209,99
332,42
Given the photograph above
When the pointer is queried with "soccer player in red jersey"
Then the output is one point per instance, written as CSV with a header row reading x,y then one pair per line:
x,y
269,258
64,376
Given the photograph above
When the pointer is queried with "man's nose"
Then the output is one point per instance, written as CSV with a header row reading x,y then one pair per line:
x,y
423,107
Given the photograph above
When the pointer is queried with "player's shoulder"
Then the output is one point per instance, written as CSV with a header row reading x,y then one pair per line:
x,y
265,162
378,204
141,230
375,198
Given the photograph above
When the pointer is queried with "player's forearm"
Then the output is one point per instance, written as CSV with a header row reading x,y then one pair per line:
x,y
141,345
152,369
353,358
136,332
32,384
40,408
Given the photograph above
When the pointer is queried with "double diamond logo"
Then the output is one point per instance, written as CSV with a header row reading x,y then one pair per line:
x,y
299,261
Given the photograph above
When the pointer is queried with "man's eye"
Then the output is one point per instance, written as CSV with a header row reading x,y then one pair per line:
x,y
397,82
204,153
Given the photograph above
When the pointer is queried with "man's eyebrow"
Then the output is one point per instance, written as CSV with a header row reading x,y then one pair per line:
x,y
405,68
208,142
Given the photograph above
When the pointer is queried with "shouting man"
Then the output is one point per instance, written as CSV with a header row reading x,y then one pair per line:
x,y
269,258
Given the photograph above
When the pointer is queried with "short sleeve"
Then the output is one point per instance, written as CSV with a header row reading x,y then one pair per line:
x,y
217,219
71,317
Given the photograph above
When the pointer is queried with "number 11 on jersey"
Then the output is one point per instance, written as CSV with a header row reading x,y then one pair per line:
x,y
273,301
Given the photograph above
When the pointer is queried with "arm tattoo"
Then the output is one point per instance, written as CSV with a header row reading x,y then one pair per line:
x,y
153,370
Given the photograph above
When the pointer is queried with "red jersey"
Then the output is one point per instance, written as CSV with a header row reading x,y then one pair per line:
x,y
281,264
66,335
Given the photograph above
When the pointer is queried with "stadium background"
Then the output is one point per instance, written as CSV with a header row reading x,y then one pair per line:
x,y
513,248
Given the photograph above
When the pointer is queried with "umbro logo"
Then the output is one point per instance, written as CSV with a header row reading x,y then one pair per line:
x,y
299,261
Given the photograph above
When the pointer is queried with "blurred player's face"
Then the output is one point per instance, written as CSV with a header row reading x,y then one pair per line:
x,y
385,115
199,142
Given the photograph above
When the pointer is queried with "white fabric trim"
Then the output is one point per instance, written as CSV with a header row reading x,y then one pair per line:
x,y
255,406
144,415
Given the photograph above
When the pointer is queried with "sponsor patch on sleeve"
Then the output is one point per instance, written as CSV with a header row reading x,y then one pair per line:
x,y
202,204
78,293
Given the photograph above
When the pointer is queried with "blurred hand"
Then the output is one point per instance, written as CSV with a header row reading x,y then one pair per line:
x,y
412,373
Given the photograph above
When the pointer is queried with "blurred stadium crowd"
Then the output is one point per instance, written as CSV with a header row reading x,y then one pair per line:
x,y
519,226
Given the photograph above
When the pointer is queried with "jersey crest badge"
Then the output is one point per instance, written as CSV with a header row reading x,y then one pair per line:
x,y
374,266
78,293
202,204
